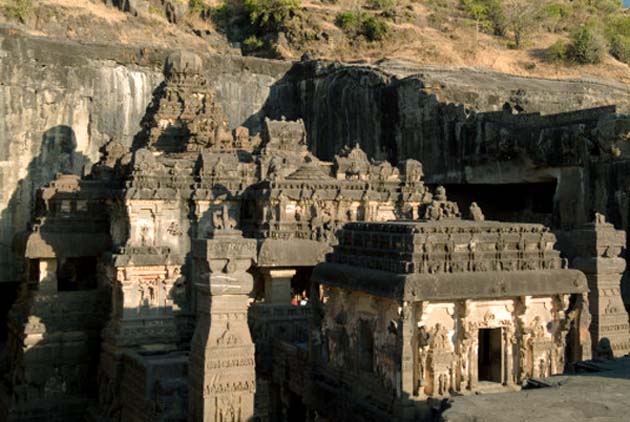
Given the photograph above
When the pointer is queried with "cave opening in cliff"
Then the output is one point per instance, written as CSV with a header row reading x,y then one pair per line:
x,y
512,202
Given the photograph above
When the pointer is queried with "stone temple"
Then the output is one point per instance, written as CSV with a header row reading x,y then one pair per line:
x,y
209,274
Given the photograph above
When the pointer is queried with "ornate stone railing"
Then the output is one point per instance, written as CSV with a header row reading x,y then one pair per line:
x,y
448,246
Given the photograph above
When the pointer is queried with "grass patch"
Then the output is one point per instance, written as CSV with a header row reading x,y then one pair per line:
x,y
361,24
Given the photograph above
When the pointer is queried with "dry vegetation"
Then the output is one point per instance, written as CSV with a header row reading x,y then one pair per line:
x,y
553,38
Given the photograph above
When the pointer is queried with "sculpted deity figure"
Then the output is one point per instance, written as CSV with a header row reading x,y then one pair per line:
x,y
354,171
440,194
439,338
443,384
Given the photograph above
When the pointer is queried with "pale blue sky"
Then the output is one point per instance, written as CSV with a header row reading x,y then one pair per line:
x,y
626,3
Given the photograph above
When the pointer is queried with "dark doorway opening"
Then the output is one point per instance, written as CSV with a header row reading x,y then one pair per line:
x,y
366,346
301,282
77,274
515,202
490,357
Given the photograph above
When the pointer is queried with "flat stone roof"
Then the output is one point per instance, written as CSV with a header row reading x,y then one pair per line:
x,y
448,259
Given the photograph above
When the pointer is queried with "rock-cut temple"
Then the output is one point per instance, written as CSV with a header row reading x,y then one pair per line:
x,y
208,274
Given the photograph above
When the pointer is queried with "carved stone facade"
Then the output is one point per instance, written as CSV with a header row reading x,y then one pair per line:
x,y
597,249
55,325
423,310
176,264
187,178
222,376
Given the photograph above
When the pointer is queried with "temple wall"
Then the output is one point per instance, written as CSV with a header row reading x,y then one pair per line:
x,y
448,343
445,352
345,311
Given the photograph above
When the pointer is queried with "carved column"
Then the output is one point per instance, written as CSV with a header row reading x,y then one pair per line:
x,y
599,250
222,377
409,348
509,340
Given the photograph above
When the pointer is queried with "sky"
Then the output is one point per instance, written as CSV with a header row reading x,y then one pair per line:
x,y
626,3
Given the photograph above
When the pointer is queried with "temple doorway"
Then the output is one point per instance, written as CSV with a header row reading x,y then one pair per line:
x,y
490,356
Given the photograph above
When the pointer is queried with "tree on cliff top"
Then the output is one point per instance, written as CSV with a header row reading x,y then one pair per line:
x,y
521,18
271,15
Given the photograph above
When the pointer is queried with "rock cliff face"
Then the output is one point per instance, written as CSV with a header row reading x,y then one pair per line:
x,y
395,110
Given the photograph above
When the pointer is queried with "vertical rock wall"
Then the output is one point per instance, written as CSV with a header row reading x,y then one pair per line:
x,y
54,118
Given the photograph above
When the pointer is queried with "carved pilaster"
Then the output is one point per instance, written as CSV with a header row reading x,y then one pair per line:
x,y
409,346
599,250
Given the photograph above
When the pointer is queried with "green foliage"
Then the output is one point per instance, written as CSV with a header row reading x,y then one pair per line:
x,y
522,19
197,7
487,13
604,6
617,30
349,22
375,28
253,43
437,4
587,46
19,9
557,10
221,14
618,24
155,10
271,15
620,48
557,52
372,28
381,4
556,15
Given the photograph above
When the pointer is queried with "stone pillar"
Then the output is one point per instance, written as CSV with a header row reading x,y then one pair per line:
x,y
278,286
409,346
222,376
508,355
598,248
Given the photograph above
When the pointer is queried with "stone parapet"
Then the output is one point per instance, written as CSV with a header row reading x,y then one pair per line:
x,y
447,246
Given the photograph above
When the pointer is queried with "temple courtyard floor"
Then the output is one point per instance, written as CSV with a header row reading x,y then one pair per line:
x,y
599,392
